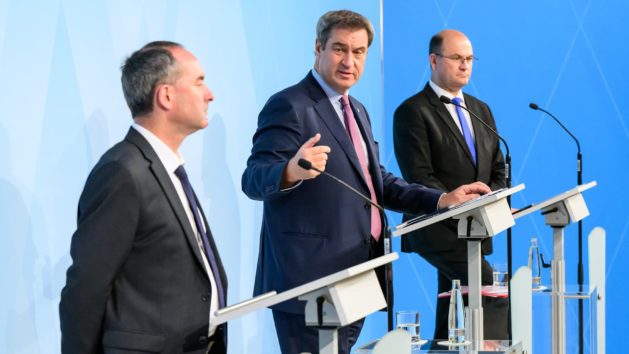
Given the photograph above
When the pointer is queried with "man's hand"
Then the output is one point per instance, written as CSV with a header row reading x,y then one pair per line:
x,y
463,193
317,155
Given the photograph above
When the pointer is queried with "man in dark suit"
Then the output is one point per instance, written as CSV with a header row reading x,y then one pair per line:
x,y
146,274
433,148
313,227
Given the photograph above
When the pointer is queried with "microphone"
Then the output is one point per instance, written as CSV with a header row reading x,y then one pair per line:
x,y
537,108
580,233
447,100
307,165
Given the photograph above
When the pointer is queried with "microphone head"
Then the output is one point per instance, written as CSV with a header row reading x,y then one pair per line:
x,y
305,164
445,99
533,106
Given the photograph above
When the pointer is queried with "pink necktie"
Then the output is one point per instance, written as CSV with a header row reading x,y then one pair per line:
x,y
354,133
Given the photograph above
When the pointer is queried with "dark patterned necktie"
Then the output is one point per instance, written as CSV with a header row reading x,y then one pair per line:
x,y
180,172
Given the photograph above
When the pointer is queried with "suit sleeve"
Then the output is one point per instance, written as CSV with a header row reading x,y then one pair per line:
x,y
108,215
275,142
399,195
410,198
412,147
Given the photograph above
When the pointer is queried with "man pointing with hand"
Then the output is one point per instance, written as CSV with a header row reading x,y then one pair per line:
x,y
312,227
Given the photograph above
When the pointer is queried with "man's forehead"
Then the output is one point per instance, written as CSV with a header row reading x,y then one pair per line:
x,y
348,36
182,54
460,43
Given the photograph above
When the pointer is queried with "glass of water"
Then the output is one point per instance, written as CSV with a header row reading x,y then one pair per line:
x,y
500,274
409,321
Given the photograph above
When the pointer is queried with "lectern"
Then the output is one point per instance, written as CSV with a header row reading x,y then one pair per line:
x,y
479,219
559,212
331,302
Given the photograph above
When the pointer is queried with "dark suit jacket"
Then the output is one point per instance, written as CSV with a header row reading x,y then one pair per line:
x,y
431,150
318,227
137,281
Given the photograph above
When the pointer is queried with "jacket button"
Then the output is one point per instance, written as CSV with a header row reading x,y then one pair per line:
x,y
203,340
204,298
367,206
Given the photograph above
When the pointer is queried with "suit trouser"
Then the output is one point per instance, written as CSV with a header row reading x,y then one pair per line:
x,y
295,337
494,309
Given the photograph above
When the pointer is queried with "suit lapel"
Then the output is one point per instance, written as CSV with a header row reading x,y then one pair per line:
x,y
330,118
445,116
158,170
372,152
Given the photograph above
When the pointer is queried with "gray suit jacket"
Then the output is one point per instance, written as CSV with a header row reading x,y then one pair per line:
x,y
137,282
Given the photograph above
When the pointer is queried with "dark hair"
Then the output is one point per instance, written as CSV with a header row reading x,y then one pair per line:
x,y
435,44
143,71
342,19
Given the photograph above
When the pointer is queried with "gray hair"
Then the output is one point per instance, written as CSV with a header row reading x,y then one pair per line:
x,y
143,71
342,19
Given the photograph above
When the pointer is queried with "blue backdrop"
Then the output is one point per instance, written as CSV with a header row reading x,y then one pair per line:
x,y
563,55
63,107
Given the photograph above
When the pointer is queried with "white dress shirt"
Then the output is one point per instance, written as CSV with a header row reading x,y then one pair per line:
x,y
452,108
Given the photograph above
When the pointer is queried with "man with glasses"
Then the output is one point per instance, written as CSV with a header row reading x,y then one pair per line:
x,y
441,146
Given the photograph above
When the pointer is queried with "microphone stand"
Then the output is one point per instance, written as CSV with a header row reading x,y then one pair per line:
x,y
388,270
580,223
508,180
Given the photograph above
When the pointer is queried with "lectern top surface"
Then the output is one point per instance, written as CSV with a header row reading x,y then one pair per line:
x,y
452,211
269,299
552,200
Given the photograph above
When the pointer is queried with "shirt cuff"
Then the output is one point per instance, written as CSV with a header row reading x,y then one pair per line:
x,y
293,187
438,200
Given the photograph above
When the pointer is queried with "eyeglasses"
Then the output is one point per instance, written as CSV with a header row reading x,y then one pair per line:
x,y
469,60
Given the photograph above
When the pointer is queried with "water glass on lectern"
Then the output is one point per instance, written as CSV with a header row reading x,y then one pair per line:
x,y
409,321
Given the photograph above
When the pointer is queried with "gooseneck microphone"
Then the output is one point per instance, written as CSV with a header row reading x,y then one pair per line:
x,y
307,165
580,247
447,100
579,160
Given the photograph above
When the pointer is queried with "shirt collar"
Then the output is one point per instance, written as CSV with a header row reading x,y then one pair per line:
x,y
169,158
441,92
329,91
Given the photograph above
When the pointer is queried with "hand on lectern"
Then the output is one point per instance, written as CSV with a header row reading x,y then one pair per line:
x,y
463,193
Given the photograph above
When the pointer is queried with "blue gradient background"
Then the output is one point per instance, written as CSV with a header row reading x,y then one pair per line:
x,y
63,107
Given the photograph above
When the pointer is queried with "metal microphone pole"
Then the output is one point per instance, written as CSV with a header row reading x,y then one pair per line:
x,y
580,246
580,262
509,245
447,100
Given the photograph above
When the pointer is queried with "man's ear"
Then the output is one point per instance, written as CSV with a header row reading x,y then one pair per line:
x,y
432,59
318,47
164,97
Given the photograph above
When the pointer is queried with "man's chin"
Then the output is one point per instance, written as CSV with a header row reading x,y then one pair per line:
x,y
344,85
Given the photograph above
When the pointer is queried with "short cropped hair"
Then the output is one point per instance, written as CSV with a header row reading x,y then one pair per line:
x,y
143,71
342,19
435,44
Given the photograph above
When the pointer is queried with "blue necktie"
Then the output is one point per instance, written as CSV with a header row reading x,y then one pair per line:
x,y
180,172
465,129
